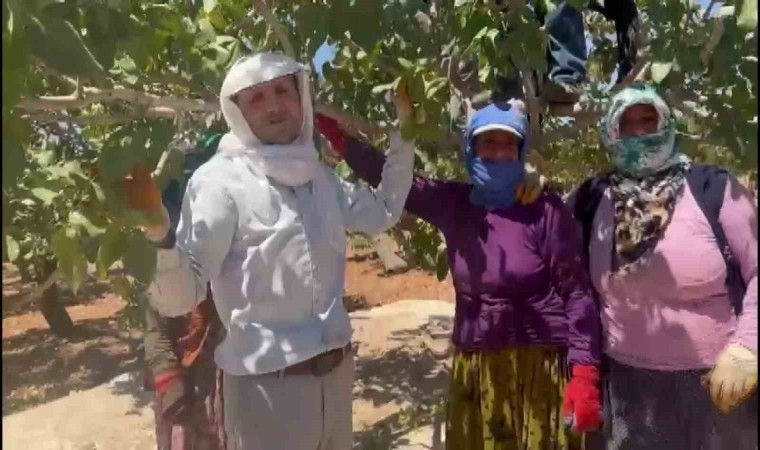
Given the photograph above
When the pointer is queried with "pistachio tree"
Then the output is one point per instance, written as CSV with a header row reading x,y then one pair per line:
x,y
94,88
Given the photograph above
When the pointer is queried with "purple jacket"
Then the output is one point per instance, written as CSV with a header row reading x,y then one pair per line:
x,y
518,274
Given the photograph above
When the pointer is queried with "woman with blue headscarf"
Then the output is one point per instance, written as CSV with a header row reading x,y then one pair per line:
x,y
678,329
524,307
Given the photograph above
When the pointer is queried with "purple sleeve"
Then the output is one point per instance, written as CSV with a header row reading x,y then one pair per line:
x,y
562,250
738,217
425,197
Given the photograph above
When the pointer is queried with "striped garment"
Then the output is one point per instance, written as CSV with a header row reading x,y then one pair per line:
x,y
186,345
509,400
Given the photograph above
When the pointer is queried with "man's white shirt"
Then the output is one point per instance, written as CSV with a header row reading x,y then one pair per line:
x,y
277,277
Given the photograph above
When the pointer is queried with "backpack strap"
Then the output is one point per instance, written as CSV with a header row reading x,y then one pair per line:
x,y
587,201
708,186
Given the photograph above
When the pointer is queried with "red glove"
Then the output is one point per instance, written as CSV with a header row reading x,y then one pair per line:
x,y
329,128
582,406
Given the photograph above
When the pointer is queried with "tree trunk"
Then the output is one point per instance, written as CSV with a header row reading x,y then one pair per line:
x,y
55,313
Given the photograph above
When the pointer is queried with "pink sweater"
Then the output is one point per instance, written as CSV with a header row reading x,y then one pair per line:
x,y
675,313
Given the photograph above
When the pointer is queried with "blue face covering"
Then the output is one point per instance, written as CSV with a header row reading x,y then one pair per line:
x,y
495,182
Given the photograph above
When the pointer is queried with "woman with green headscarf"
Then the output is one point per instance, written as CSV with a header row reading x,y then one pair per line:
x,y
676,335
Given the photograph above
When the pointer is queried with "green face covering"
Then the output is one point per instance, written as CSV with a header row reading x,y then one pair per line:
x,y
640,155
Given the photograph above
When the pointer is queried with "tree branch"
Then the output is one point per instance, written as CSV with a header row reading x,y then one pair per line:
x,y
534,106
94,95
636,74
157,107
279,31
349,120
717,33
103,119
581,123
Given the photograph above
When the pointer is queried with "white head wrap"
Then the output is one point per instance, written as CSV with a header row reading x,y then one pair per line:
x,y
293,164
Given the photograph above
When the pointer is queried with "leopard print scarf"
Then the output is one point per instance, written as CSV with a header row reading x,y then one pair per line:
x,y
643,210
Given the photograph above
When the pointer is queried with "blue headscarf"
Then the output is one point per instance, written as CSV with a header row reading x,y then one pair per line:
x,y
495,183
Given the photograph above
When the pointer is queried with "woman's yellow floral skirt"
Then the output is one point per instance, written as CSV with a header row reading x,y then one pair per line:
x,y
509,400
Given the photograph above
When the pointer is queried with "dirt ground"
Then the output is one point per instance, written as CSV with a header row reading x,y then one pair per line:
x,y
39,368
402,369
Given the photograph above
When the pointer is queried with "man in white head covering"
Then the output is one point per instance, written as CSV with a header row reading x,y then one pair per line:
x,y
264,222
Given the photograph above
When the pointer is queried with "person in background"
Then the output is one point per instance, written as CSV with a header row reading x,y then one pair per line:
x,y
672,250
567,53
264,221
187,384
179,352
524,306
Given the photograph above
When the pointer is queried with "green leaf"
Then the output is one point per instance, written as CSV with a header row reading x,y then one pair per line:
x,y
441,265
207,33
97,192
747,19
406,64
217,19
380,88
88,224
72,263
12,248
434,86
16,136
65,170
122,287
14,161
103,34
45,158
47,5
140,258
491,36
15,54
118,5
127,64
112,246
580,5
365,36
172,168
119,155
45,195
58,44
209,5
160,135
90,249
660,71
477,39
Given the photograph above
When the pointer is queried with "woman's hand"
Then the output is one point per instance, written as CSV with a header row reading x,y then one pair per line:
x,y
144,196
403,103
532,187
734,378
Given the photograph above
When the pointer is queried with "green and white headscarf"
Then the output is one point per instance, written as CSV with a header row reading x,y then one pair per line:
x,y
648,177
641,155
